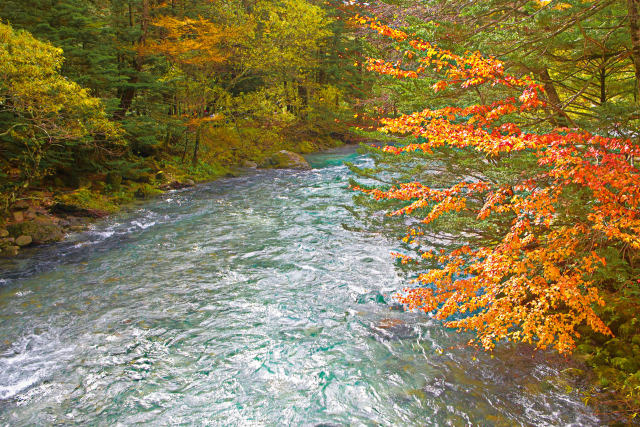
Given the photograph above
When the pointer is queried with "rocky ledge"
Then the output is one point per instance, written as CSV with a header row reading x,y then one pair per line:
x,y
35,225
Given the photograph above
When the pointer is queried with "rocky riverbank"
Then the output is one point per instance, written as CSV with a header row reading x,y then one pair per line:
x,y
44,218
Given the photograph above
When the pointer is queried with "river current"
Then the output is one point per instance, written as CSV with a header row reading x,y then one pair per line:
x,y
247,301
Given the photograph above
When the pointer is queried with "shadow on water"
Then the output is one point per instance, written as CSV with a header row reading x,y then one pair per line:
x,y
247,302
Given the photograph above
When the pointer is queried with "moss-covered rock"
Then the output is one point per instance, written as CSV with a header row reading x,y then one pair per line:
x,y
24,241
84,202
306,147
286,160
249,164
10,251
40,230
625,364
617,347
137,175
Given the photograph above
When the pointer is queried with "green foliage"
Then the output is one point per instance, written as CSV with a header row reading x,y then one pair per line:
x,y
46,121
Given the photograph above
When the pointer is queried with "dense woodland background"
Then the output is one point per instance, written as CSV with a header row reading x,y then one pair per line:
x,y
104,101
189,88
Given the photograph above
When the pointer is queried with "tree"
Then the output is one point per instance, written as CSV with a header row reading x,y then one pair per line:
x,y
195,51
541,233
45,119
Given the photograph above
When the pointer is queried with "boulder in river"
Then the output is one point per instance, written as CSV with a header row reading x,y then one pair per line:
x,y
286,160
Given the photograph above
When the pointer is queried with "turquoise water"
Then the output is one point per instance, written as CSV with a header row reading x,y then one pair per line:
x,y
246,302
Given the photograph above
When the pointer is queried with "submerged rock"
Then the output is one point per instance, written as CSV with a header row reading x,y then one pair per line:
x,y
435,387
394,329
286,160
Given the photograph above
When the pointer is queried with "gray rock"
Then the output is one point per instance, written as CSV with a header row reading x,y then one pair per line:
x,y
249,164
24,241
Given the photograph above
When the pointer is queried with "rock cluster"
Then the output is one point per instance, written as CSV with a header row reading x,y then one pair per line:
x,y
31,225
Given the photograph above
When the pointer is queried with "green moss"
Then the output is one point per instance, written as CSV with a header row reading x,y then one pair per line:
x,y
84,198
306,147
624,364
173,169
145,191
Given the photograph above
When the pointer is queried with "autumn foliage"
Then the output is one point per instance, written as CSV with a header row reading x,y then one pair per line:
x,y
534,283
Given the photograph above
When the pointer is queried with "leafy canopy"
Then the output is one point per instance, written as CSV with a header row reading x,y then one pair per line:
x,y
534,280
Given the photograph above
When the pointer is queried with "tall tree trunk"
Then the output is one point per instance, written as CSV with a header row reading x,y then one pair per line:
x,y
128,93
634,28
603,86
303,94
196,146
559,118
186,145
126,99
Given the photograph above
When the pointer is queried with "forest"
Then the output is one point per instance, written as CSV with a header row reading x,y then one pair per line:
x,y
503,137
124,94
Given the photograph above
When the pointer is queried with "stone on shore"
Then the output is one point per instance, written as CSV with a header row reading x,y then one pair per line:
x,y
249,164
10,251
18,216
24,240
41,230
286,160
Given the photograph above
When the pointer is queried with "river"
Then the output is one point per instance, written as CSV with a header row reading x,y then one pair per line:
x,y
246,301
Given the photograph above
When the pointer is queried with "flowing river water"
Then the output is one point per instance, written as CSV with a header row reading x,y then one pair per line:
x,y
247,302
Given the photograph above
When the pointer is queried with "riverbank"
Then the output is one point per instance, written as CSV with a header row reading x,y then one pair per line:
x,y
47,215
